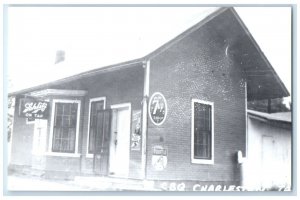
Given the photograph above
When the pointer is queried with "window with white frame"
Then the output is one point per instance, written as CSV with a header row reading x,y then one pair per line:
x,y
65,124
202,132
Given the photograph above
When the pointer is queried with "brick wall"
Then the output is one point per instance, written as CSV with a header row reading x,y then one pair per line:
x,y
197,67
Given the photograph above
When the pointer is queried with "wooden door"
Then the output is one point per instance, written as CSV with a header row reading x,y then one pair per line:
x,y
101,142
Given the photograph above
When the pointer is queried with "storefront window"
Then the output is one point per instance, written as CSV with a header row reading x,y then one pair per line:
x,y
64,127
202,131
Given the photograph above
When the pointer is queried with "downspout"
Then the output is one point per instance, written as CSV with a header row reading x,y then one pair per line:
x,y
246,113
146,66
242,161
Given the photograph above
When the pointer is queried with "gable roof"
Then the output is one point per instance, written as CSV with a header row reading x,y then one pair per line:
x,y
262,80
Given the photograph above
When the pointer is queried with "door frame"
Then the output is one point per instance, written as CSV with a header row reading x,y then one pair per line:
x,y
116,107
122,105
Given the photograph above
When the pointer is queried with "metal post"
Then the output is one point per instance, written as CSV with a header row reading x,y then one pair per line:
x,y
146,66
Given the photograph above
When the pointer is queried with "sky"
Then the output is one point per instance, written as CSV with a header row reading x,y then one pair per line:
x,y
93,37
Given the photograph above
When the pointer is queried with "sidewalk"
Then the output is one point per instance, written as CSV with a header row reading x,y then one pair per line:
x,y
33,183
116,184
26,183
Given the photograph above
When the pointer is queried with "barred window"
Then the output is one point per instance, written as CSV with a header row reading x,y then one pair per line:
x,y
202,130
64,127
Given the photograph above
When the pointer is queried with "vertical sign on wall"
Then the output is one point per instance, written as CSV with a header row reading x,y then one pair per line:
x,y
159,158
136,130
157,108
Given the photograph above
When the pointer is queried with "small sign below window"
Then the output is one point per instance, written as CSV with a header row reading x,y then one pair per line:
x,y
157,108
33,108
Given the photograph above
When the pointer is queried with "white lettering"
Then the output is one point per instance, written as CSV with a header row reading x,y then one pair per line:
x,y
195,187
172,187
156,106
164,186
181,187
218,188
240,188
204,188
211,188
231,188
35,107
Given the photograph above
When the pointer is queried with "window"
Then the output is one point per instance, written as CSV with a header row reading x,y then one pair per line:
x,y
202,132
65,124
96,104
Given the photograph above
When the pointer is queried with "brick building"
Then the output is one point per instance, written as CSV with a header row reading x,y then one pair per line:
x,y
177,114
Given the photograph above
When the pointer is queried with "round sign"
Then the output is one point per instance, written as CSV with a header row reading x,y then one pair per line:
x,y
157,108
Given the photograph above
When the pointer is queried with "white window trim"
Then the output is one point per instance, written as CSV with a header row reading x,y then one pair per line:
x,y
76,154
123,105
89,155
202,161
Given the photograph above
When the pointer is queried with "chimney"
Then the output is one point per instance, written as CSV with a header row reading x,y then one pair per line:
x,y
60,56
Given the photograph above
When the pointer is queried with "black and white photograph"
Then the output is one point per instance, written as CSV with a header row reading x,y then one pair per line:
x,y
149,98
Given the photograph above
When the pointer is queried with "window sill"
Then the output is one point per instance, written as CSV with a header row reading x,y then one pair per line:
x,y
75,155
89,155
202,161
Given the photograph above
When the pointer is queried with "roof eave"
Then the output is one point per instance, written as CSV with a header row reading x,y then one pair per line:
x,y
108,68
285,92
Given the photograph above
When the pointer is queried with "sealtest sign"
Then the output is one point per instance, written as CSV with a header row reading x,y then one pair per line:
x,y
157,108
34,108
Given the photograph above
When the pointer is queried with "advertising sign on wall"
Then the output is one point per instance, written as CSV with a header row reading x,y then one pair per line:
x,y
157,108
159,158
136,130
33,108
